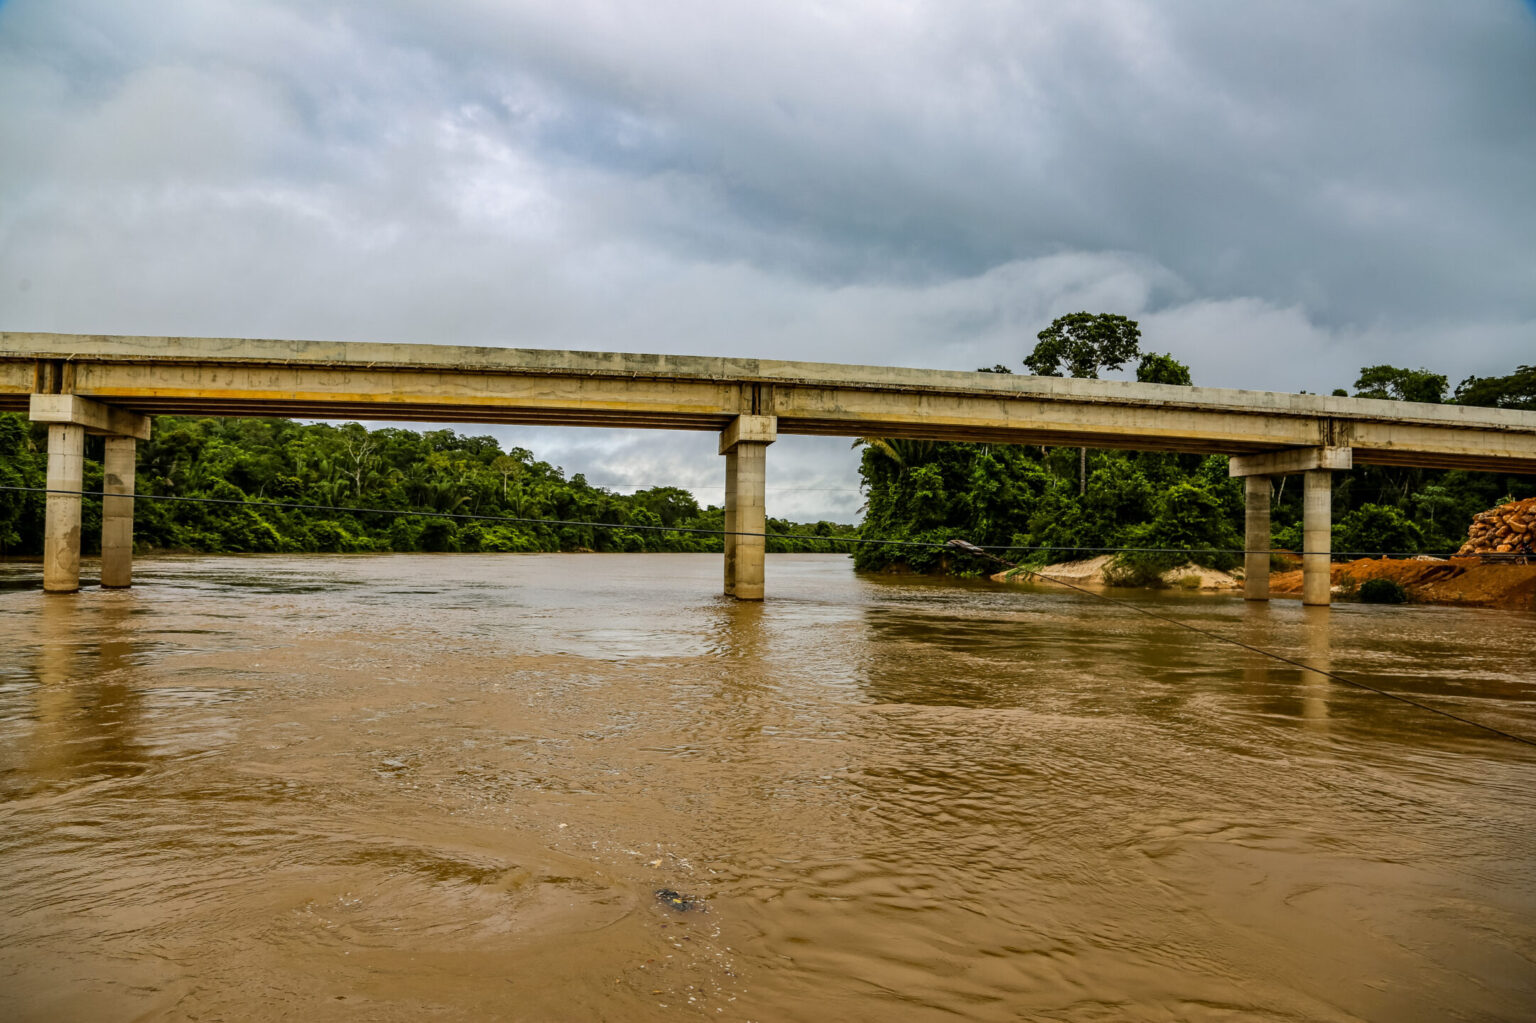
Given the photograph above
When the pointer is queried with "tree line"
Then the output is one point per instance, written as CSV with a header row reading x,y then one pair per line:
x,y
1055,504
439,472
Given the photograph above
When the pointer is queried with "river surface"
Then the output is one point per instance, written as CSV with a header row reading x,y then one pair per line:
x,y
449,787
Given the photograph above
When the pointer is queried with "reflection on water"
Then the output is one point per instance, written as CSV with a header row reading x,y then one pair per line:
x,y
1315,686
409,786
85,697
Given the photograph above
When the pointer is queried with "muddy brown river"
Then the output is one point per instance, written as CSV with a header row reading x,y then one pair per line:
x,y
449,787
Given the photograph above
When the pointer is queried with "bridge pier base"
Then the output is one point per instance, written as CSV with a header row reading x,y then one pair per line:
x,y
745,446
1256,540
118,466
1317,537
61,520
69,419
1316,466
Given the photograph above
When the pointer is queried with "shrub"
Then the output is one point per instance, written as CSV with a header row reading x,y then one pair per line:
x,y
438,535
1376,528
1140,568
331,536
1190,515
1383,591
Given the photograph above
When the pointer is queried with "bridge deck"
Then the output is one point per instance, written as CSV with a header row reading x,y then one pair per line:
x,y
427,383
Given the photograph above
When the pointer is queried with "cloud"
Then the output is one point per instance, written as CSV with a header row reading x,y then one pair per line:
x,y
1280,195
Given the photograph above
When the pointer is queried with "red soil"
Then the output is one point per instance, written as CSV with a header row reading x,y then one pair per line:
x,y
1457,581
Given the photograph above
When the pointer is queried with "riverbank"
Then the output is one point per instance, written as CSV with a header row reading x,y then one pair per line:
x,y
1459,581
1466,582
1099,571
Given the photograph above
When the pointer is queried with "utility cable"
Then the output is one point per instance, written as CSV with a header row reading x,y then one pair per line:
x,y
645,527
465,516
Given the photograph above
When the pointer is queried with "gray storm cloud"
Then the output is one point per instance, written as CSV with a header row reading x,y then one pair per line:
x,y
1280,193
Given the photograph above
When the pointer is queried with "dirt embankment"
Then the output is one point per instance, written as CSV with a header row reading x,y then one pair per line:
x,y
1457,581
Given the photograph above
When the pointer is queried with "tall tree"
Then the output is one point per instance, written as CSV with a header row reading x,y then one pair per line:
x,y
1162,369
1396,384
1517,390
1079,345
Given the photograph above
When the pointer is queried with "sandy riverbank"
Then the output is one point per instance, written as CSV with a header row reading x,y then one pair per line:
x,y
1090,572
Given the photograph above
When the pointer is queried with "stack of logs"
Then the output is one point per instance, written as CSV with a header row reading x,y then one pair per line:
x,y
1507,529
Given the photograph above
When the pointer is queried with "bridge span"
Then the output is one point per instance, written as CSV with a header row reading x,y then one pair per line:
x,y
112,385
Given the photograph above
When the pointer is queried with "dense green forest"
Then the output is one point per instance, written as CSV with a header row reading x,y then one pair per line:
x,y
439,471
1052,503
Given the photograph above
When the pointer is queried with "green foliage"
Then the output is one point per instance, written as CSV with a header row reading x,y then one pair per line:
x,y
1384,508
1139,568
1197,515
1377,529
1517,390
1001,495
1028,497
1081,344
1162,369
23,463
347,465
1383,591
1397,384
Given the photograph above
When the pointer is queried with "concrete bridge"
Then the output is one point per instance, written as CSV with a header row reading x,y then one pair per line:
x,y
111,385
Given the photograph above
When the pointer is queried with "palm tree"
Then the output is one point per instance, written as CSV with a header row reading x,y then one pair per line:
x,y
901,450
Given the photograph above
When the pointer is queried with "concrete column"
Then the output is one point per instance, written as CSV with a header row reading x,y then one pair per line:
x,y
117,513
69,418
1256,538
745,474
745,446
61,529
1317,536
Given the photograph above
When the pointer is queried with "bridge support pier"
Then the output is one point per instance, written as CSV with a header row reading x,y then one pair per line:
x,y
1256,537
745,446
61,522
1317,537
69,419
118,465
1316,466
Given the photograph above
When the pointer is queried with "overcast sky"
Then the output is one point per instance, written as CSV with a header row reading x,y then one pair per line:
x,y
1279,192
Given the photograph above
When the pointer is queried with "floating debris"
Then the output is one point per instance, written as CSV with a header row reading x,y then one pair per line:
x,y
680,902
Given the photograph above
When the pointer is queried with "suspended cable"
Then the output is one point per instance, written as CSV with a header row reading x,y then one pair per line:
x,y
645,527
721,486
